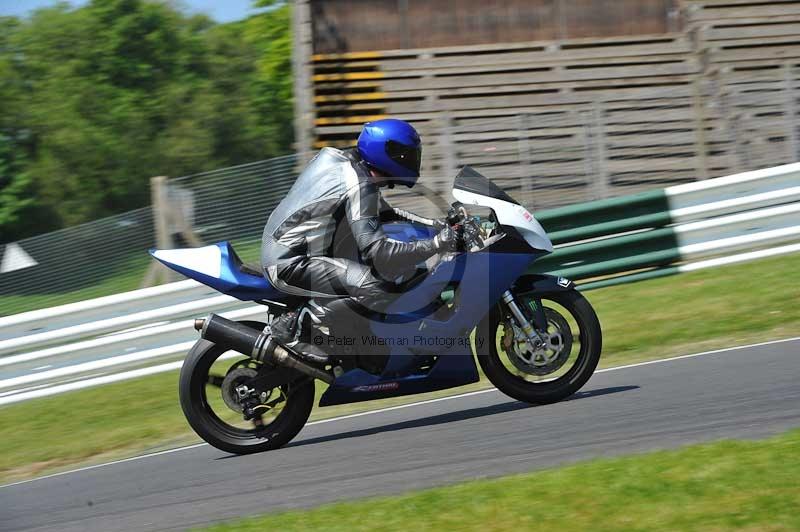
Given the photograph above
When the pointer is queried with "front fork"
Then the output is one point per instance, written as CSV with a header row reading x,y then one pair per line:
x,y
531,330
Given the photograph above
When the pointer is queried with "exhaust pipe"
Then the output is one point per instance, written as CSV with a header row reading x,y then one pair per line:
x,y
257,345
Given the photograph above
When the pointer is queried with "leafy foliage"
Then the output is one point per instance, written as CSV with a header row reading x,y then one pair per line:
x,y
16,193
96,100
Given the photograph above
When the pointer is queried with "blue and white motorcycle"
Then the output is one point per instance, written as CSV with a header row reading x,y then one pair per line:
x,y
536,338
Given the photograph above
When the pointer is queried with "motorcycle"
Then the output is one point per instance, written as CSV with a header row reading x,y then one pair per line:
x,y
536,338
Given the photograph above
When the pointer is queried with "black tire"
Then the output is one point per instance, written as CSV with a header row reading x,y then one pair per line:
x,y
555,390
207,425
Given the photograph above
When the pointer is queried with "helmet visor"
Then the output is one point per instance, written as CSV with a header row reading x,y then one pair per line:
x,y
406,156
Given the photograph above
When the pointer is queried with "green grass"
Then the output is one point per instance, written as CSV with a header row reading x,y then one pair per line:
x,y
728,485
700,310
653,319
129,276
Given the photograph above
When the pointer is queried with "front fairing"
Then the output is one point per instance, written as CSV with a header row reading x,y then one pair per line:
x,y
472,188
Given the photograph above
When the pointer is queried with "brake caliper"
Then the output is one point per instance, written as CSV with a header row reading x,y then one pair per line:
x,y
508,335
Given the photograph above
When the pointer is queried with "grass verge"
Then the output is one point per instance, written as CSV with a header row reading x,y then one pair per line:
x,y
683,314
728,485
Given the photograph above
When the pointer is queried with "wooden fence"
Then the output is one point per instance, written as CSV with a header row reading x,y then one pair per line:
x,y
580,119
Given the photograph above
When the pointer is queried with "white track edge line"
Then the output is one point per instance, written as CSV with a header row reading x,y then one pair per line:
x,y
398,407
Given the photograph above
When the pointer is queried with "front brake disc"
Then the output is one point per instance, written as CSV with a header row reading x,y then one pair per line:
x,y
551,357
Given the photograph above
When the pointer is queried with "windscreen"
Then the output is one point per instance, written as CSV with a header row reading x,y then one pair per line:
x,y
470,180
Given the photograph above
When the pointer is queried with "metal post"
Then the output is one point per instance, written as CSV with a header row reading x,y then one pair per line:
x,y
600,181
402,8
524,150
158,194
447,146
157,273
701,162
729,120
791,113
302,50
588,151
181,213
561,21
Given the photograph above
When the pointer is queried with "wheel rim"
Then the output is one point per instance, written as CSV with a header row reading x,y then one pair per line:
x,y
208,380
559,358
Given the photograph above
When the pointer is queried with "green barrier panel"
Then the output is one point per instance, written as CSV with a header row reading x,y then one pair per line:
x,y
623,208
645,221
615,248
623,279
624,264
654,246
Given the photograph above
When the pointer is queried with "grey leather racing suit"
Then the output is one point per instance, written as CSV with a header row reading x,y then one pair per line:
x,y
334,200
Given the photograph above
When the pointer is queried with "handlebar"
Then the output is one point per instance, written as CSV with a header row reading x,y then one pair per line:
x,y
457,214
472,235
468,231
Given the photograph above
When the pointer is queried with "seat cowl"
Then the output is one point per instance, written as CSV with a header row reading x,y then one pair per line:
x,y
219,267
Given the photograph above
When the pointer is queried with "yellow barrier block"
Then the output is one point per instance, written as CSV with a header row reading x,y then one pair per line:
x,y
346,55
339,85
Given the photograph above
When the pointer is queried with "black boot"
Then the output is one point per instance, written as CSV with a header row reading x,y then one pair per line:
x,y
283,327
284,330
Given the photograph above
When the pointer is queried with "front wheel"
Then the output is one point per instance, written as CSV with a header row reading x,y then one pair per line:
x,y
554,371
216,386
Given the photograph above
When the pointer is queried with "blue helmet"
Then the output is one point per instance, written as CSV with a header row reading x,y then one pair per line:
x,y
393,148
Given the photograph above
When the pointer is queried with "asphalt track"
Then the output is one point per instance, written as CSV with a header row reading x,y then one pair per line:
x,y
742,393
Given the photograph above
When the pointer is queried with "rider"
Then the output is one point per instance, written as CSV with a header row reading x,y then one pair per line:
x,y
337,197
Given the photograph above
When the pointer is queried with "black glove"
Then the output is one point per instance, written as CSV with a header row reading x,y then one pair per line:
x,y
446,240
439,223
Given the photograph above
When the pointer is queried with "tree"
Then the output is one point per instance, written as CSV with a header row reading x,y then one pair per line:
x,y
99,98
20,213
273,91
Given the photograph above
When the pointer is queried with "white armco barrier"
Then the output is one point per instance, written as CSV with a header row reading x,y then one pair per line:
x,y
783,181
101,308
721,221
119,323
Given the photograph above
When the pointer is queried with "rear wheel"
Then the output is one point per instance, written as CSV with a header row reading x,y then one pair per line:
x,y
217,386
552,372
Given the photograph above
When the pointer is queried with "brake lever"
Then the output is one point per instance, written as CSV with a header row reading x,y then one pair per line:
x,y
472,236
